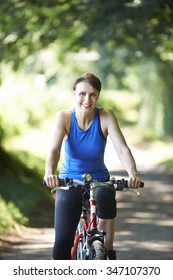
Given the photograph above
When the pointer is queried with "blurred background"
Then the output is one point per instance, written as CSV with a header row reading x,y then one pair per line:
x,y
45,45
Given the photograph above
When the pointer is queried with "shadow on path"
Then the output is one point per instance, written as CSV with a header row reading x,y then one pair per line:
x,y
144,223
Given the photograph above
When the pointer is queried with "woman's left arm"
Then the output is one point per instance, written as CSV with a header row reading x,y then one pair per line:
x,y
122,149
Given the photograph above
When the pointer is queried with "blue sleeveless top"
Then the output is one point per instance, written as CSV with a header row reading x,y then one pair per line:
x,y
84,151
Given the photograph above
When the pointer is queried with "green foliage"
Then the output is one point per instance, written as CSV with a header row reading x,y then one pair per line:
x,y
124,105
22,192
7,129
9,214
168,163
24,104
123,33
144,28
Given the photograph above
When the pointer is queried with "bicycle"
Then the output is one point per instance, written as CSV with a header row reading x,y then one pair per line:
x,y
89,242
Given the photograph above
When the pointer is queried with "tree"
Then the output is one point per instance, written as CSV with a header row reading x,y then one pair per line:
x,y
137,29
28,26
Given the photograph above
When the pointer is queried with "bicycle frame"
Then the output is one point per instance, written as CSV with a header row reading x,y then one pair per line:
x,y
87,236
87,228
80,234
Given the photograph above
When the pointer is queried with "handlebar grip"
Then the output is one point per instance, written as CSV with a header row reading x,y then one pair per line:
x,y
121,184
62,182
141,184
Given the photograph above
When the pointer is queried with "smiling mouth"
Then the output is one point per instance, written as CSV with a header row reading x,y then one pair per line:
x,y
86,105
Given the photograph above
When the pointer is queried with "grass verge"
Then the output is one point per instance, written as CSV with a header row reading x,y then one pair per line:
x,y
22,195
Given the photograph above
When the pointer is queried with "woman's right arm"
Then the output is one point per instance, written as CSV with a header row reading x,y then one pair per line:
x,y
58,133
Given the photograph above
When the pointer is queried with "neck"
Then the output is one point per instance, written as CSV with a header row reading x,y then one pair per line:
x,y
84,120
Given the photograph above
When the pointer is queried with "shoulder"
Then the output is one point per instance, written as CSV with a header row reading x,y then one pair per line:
x,y
64,114
106,114
107,119
62,119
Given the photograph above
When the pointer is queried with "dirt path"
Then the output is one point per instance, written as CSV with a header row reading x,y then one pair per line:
x,y
144,223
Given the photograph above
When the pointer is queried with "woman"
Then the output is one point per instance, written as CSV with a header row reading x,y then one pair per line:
x,y
84,131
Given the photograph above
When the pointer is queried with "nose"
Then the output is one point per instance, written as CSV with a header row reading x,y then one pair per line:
x,y
87,98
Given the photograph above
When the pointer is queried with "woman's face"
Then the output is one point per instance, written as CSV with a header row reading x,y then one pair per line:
x,y
86,97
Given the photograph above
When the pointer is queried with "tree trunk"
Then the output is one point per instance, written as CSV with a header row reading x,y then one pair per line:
x,y
166,75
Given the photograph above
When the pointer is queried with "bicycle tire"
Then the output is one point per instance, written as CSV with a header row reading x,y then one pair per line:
x,y
97,251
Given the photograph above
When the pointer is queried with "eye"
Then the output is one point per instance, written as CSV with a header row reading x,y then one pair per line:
x,y
93,94
82,93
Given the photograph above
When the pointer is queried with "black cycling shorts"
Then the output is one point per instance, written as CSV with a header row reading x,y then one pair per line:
x,y
68,206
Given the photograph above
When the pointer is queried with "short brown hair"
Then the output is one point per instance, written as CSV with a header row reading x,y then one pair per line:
x,y
90,79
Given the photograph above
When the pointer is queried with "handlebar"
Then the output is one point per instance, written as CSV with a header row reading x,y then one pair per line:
x,y
119,185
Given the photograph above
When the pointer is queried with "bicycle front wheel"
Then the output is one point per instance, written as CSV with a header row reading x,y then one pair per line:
x,y
97,251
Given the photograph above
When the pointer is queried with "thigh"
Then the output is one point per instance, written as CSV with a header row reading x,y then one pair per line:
x,y
106,203
68,206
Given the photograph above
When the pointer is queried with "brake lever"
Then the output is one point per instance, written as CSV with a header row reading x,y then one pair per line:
x,y
131,190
